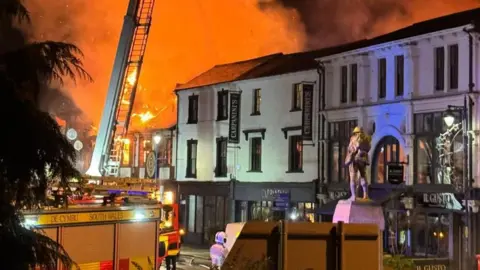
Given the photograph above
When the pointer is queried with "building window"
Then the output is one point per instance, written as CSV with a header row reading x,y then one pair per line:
x,y
453,66
353,82
430,235
222,105
339,137
382,78
295,154
145,148
191,213
399,75
396,235
297,97
343,84
257,101
439,68
199,214
191,159
221,166
256,154
426,165
192,109
165,151
127,151
388,151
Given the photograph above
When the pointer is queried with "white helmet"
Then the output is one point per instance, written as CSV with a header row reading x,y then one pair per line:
x,y
220,238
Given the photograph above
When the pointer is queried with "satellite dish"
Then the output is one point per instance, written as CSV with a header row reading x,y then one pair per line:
x,y
71,134
78,145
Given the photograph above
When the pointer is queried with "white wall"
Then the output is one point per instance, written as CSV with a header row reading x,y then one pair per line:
x,y
394,115
275,114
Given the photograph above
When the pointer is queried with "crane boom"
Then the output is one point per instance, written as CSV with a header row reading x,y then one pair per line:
x,y
107,153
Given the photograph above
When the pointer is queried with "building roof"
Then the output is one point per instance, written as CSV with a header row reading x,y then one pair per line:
x,y
434,25
276,64
225,72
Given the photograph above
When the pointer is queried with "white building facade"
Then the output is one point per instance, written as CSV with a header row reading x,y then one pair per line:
x,y
398,88
266,169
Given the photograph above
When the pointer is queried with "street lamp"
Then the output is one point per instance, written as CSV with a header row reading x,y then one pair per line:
x,y
157,138
449,118
466,187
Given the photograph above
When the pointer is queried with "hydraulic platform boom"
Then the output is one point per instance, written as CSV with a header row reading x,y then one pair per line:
x,y
107,153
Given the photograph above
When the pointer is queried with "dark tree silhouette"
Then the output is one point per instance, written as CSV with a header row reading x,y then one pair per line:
x,y
33,151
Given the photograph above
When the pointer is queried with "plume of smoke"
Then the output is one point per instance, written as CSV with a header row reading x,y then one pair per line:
x,y
187,37
329,22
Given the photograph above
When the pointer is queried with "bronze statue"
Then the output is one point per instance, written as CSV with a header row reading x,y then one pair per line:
x,y
357,161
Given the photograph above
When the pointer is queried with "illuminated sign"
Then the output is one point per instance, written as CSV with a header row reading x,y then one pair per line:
x,y
93,217
234,124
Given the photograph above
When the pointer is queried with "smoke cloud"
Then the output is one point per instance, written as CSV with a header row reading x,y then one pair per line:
x,y
329,22
187,37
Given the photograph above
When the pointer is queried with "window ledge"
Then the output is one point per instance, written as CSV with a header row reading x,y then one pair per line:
x,y
191,176
295,110
221,119
296,171
191,122
255,113
220,176
255,171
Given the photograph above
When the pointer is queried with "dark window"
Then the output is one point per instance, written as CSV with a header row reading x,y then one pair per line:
x,y
388,151
257,101
339,137
192,110
221,168
426,165
343,84
256,154
297,97
439,68
222,105
353,82
191,159
295,154
382,78
430,235
399,74
165,151
453,66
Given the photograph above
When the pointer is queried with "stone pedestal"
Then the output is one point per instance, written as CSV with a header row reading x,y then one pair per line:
x,y
360,212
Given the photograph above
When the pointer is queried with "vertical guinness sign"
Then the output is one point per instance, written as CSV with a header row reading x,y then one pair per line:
x,y
307,113
234,125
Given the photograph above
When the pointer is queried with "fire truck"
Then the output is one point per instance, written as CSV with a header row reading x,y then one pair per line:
x,y
125,207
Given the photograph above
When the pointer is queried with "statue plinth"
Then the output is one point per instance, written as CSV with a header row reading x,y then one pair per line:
x,y
360,212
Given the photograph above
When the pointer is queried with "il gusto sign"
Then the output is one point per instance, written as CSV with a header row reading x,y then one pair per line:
x,y
441,200
431,265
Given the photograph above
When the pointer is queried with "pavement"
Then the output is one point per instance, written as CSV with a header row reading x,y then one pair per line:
x,y
197,257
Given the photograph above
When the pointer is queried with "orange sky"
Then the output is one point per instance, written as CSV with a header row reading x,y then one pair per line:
x,y
187,37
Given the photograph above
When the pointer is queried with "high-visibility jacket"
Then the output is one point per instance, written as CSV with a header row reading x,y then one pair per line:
x,y
173,248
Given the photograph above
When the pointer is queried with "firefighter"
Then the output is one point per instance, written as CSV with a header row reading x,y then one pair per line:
x,y
172,254
218,251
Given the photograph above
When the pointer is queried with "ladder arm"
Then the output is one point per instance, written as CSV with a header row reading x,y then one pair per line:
x,y
122,88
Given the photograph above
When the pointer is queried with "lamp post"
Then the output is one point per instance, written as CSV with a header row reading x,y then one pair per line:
x,y
156,139
466,187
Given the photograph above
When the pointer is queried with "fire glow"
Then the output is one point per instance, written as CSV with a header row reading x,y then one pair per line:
x,y
188,37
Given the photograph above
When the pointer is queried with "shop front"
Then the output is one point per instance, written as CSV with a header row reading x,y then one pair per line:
x,y
205,209
274,201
